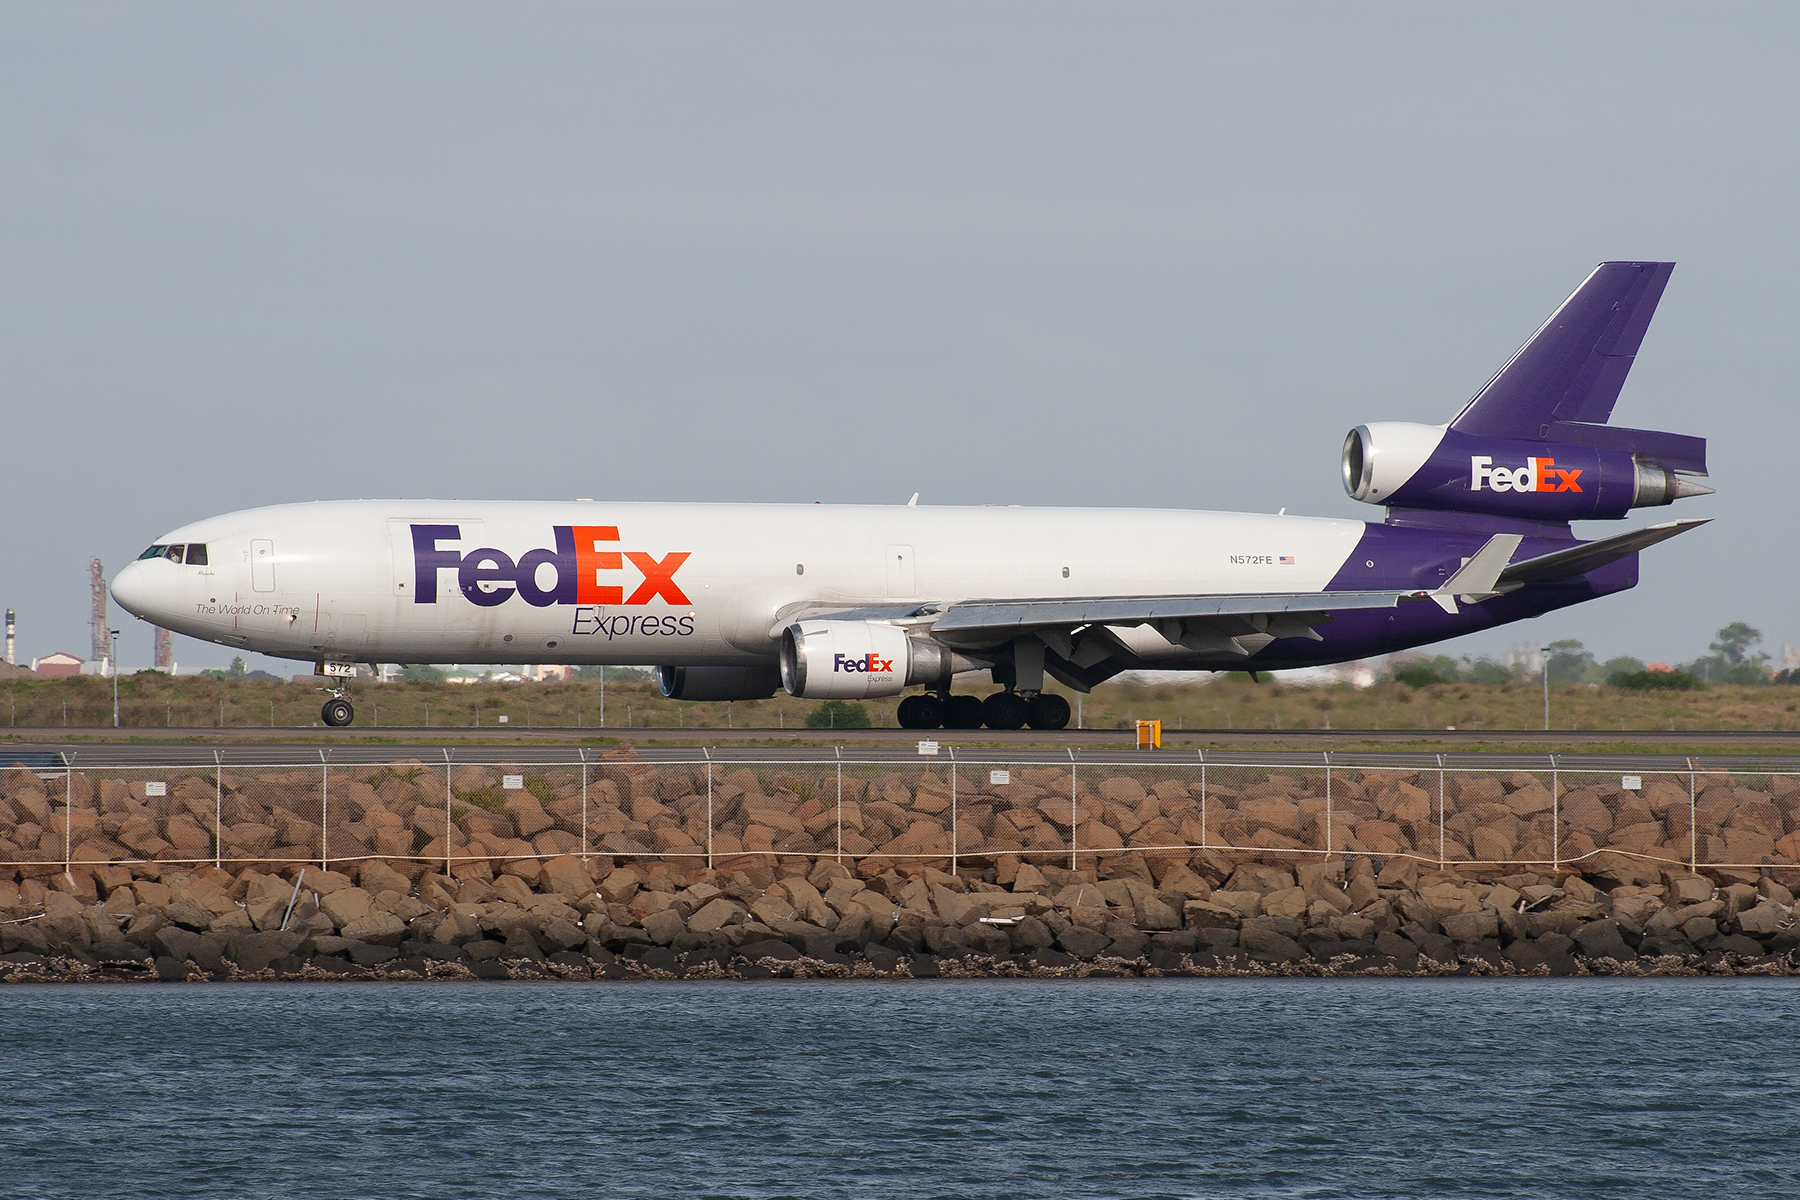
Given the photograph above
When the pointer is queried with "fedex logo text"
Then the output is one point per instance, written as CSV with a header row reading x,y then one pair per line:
x,y
488,577
1537,475
867,663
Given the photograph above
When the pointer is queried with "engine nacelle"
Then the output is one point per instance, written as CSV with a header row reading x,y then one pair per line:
x,y
1405,465
854,660
757,682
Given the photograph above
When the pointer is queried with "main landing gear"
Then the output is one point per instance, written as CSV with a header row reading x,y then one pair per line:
x,y
1002,710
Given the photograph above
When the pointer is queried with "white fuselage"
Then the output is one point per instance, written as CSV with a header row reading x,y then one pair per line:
x,y
682,584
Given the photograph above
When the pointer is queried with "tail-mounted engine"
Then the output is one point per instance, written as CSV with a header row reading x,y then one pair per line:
x,y
1404,465
854,660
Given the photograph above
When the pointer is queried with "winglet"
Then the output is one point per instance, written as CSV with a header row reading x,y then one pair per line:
x,y
1480,574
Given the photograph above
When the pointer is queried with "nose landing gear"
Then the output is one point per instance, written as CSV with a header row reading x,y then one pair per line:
x,y
337,712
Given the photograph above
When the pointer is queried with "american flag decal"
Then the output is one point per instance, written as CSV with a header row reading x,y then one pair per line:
x,y
1286,560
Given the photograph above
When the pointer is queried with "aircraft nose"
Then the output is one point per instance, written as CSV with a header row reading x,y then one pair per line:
x,y
131,590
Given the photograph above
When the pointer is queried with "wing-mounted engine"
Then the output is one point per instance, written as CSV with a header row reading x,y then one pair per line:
x,y
1535,443
855,660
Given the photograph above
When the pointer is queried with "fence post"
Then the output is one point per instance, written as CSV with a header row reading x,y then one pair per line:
x,y
953,810
840,804
1693,827
582,750
1440,763
325,811
1074,808
68,813
446,753
1328,804
1203,842
218,804
709,807
1555,818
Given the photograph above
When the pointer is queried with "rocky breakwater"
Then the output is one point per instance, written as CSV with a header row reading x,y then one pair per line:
x,y
593,918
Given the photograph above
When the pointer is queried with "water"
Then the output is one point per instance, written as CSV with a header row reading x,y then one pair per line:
x,y
1605,1087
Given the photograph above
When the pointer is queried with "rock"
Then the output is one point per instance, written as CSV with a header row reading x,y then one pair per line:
x,y
565,876
377,928
347,905
1289,902
1471,927
170,969
1244,904
363,954
620,886
1600,939
254,952
1762,920
1699,929
768,948
663,926
716,913
854,930
1127,943
1083,943
559,934
1266,945
376,877
1525,956
1741,947
1434,946
1203,914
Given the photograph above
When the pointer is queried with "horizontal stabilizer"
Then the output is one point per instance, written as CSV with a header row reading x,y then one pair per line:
x,y
1589,556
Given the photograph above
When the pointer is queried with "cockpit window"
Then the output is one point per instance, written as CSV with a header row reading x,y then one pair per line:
x,y
153,552
196,554
174,554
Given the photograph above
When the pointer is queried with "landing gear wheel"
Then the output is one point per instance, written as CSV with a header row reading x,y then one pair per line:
x,y
1005,710
927,712
908,713
337,713
963,712
1048,711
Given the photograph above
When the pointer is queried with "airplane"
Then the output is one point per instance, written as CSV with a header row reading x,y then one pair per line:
x,y
735,601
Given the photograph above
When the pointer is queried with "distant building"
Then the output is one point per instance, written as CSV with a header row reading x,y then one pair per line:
x,y
58,665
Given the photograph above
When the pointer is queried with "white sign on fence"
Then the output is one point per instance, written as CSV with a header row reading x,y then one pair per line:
x,y
928,748
512,783
156,789
1631,783
999,776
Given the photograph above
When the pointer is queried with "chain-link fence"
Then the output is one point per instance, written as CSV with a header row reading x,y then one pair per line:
x,y
947,812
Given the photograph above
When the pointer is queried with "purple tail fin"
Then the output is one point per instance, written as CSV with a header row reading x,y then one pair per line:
x,y
1562,384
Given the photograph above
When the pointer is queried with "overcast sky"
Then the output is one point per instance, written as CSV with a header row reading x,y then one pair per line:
x,y
1016,253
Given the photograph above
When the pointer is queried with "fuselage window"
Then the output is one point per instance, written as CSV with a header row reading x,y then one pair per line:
x,y
153,552
196,554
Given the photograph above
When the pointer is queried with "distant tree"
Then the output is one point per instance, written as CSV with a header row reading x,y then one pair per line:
x,y
1486,671
1731,660
838,714
1623,665
420,673
614,674
235,671
1567,661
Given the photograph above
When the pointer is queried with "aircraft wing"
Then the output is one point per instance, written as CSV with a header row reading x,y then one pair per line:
x,y
997,620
